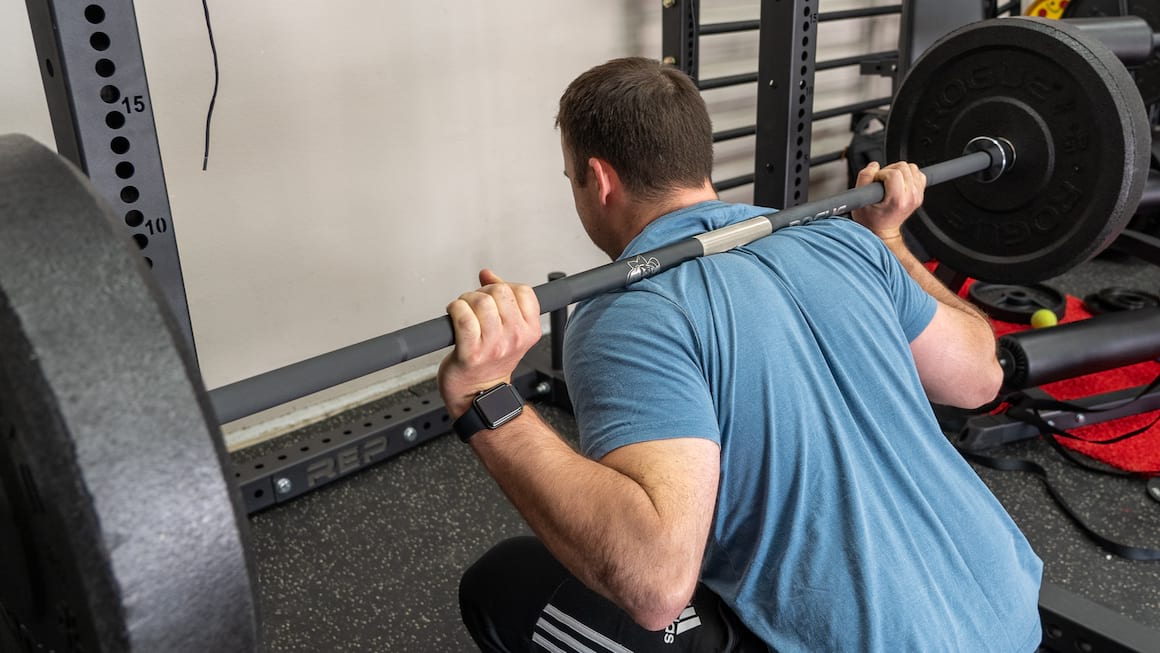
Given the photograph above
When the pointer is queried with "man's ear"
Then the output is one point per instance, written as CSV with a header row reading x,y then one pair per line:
x,y
607,181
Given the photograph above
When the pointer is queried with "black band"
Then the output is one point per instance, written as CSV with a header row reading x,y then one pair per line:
x,y
469,424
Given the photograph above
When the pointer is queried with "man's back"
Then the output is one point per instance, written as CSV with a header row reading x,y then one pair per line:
x,y
845,521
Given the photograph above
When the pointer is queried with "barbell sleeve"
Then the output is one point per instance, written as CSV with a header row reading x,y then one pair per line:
x,y
276,387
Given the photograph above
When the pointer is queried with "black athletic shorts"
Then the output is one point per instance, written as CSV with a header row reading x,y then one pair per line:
x,y
518,597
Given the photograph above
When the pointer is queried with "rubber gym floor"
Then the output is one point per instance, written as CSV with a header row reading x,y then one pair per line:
x,y
372,562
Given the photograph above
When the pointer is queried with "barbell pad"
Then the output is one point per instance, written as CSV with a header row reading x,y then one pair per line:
x,y
1074,116
1128,37
1147,76
1104,342
131,537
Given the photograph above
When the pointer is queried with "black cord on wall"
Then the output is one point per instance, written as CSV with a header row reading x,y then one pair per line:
x,y
213,98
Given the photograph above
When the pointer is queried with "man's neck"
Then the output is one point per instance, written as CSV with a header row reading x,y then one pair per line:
x,y
642,214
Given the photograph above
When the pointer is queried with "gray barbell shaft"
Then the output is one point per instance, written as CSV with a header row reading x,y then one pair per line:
x,y
285,384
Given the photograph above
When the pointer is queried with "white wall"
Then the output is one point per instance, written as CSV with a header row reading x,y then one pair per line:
x,y
368,158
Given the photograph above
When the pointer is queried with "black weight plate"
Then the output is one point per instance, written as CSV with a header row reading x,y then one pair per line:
x,y
1015,303
1115,299
121,532
1148,74
1079,128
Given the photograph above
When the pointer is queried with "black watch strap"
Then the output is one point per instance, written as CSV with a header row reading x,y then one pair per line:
x,y
469,424
490,409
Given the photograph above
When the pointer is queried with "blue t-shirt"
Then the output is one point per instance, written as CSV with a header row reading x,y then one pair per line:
x,y
845,520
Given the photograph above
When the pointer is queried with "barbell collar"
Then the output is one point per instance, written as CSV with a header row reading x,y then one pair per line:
x,y
1002,154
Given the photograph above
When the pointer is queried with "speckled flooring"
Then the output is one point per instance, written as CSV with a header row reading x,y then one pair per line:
x,y
372,563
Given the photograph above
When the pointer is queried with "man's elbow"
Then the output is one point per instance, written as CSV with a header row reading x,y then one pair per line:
x,y
983,386
989,383
660,608
655,599
970,386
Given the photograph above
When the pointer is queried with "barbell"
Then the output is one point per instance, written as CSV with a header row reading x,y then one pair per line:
x,y
1082,141
120,528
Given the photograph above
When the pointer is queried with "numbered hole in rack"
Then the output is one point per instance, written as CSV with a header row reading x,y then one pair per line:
x,y
142,240
110,94
95,14
125,170
134,218
130,194
99,41
105,68
115,119
119,145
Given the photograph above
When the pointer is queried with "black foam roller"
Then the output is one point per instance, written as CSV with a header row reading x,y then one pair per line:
x,y
1104,342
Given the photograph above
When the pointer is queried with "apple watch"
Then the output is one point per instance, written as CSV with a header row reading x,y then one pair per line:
x,y
490,409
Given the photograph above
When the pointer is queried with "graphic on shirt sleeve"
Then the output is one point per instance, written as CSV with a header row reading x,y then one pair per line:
x,y
641,267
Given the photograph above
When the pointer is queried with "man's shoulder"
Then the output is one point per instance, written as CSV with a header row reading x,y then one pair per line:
x,y
839,234
645,296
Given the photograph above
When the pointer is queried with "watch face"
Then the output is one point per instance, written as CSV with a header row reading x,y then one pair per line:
x,y
499,405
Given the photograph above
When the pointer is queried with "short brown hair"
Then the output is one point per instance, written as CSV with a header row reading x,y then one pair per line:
x,y
646,119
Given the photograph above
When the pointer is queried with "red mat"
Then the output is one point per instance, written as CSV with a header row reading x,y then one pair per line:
x,y
1137,454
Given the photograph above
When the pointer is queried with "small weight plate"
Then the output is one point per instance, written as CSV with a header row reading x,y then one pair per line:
x,y
1014,303
1114,299
119,529
1080,131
